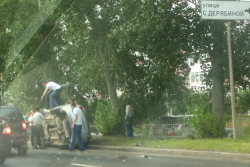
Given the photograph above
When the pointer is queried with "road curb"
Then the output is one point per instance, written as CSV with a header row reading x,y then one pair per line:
x,y
211,154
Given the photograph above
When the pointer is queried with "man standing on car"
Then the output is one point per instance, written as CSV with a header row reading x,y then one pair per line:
x,y
77,128
129,119
56,88
39,130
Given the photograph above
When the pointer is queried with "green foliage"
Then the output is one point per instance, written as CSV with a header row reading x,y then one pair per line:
x,y
243,100
150,107
241,105
246,132
141,61
28,28
105,120
204,123
91,110
25,92
145,132
196,102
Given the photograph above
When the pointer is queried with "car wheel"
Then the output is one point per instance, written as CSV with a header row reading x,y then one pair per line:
x,y
49,145
8,148
22,150
2,159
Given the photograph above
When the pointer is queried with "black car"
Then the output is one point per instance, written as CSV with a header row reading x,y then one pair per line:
x,y
19,135
5,139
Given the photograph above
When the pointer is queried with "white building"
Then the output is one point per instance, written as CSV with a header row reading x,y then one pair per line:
x,y
196,75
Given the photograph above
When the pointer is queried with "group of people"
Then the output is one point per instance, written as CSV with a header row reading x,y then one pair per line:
x,y
37,135
76,109
35,118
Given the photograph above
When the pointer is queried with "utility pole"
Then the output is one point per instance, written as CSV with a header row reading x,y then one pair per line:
x,y
231,79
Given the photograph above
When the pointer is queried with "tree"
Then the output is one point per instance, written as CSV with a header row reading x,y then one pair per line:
x,y
113,52
208,42
136,59
210,45
25,29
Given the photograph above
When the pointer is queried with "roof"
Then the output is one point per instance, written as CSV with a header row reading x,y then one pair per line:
x,y
7,107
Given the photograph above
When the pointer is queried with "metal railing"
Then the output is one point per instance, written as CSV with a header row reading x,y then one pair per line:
x,y
169,127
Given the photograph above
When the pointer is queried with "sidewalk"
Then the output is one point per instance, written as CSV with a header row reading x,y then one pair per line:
x,y
207,154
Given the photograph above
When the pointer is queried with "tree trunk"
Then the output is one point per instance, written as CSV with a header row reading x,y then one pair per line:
x,y
112,92
218,92
114,102
218,75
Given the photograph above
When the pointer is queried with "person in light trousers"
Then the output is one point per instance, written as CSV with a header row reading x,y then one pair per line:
x,y
77,128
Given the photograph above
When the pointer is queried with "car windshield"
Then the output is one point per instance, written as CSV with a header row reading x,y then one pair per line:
x,y
5,112
124,75
9,113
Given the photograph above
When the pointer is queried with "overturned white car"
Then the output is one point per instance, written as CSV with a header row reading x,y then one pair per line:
x,y
57,126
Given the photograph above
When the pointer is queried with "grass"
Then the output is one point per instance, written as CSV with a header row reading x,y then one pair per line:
x,y
224,145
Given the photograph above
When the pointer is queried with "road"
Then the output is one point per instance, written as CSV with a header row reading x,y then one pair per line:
x,y
52,157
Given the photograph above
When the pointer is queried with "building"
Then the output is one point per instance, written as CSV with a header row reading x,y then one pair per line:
x,y
196,78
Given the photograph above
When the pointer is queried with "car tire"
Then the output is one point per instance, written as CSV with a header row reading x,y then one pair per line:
x,y
8,148
22,150
49,145
2,159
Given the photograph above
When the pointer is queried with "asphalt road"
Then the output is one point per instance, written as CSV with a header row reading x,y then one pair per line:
x,y
53,157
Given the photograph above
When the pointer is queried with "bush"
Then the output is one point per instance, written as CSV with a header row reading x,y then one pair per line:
x,y
145,132
243,101
246,132
204,123
105,120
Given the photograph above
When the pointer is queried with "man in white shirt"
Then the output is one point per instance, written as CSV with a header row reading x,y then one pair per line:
x,y
56,88
39,130
77,128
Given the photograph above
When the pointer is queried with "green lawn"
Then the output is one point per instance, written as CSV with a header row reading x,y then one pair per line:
x,y
226,145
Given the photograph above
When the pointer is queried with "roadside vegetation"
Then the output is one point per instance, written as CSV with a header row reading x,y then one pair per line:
x,y
225,144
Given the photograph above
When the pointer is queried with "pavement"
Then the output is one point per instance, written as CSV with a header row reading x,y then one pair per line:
x,y
181,152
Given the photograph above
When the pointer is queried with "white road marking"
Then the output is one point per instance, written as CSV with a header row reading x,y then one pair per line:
x,y
83,165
